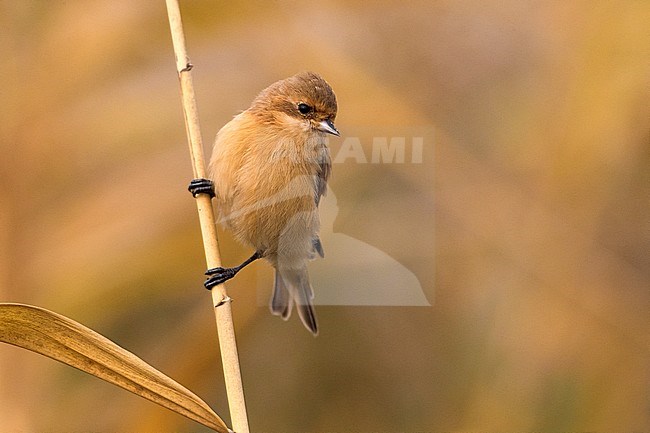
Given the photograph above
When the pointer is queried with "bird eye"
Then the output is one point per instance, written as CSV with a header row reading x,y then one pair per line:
x,y
304,108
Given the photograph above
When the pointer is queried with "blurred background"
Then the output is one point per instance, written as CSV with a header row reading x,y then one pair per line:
x,y
526,223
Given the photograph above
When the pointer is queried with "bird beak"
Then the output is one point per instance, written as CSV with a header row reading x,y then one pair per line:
x,y
328,126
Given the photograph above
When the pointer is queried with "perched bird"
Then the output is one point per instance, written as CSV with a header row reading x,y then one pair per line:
x,y
270,165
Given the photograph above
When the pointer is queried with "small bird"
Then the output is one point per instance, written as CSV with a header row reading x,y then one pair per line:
x,y
270,166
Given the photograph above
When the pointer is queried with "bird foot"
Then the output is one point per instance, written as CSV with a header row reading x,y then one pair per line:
x,y
219,276
201,186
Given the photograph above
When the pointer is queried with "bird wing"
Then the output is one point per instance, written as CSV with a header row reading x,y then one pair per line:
x,y
324,171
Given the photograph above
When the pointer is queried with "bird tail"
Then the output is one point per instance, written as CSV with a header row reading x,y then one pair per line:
x,y
292,286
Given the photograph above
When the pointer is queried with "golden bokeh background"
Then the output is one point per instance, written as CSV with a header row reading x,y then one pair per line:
x,y
527,223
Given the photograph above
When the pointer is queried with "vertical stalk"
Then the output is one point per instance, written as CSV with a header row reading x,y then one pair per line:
x,y
220,299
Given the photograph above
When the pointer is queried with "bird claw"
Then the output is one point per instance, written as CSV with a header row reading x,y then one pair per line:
x,y
218,276
201,186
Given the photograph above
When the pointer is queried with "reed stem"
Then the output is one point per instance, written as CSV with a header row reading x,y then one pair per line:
x,y
222,310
